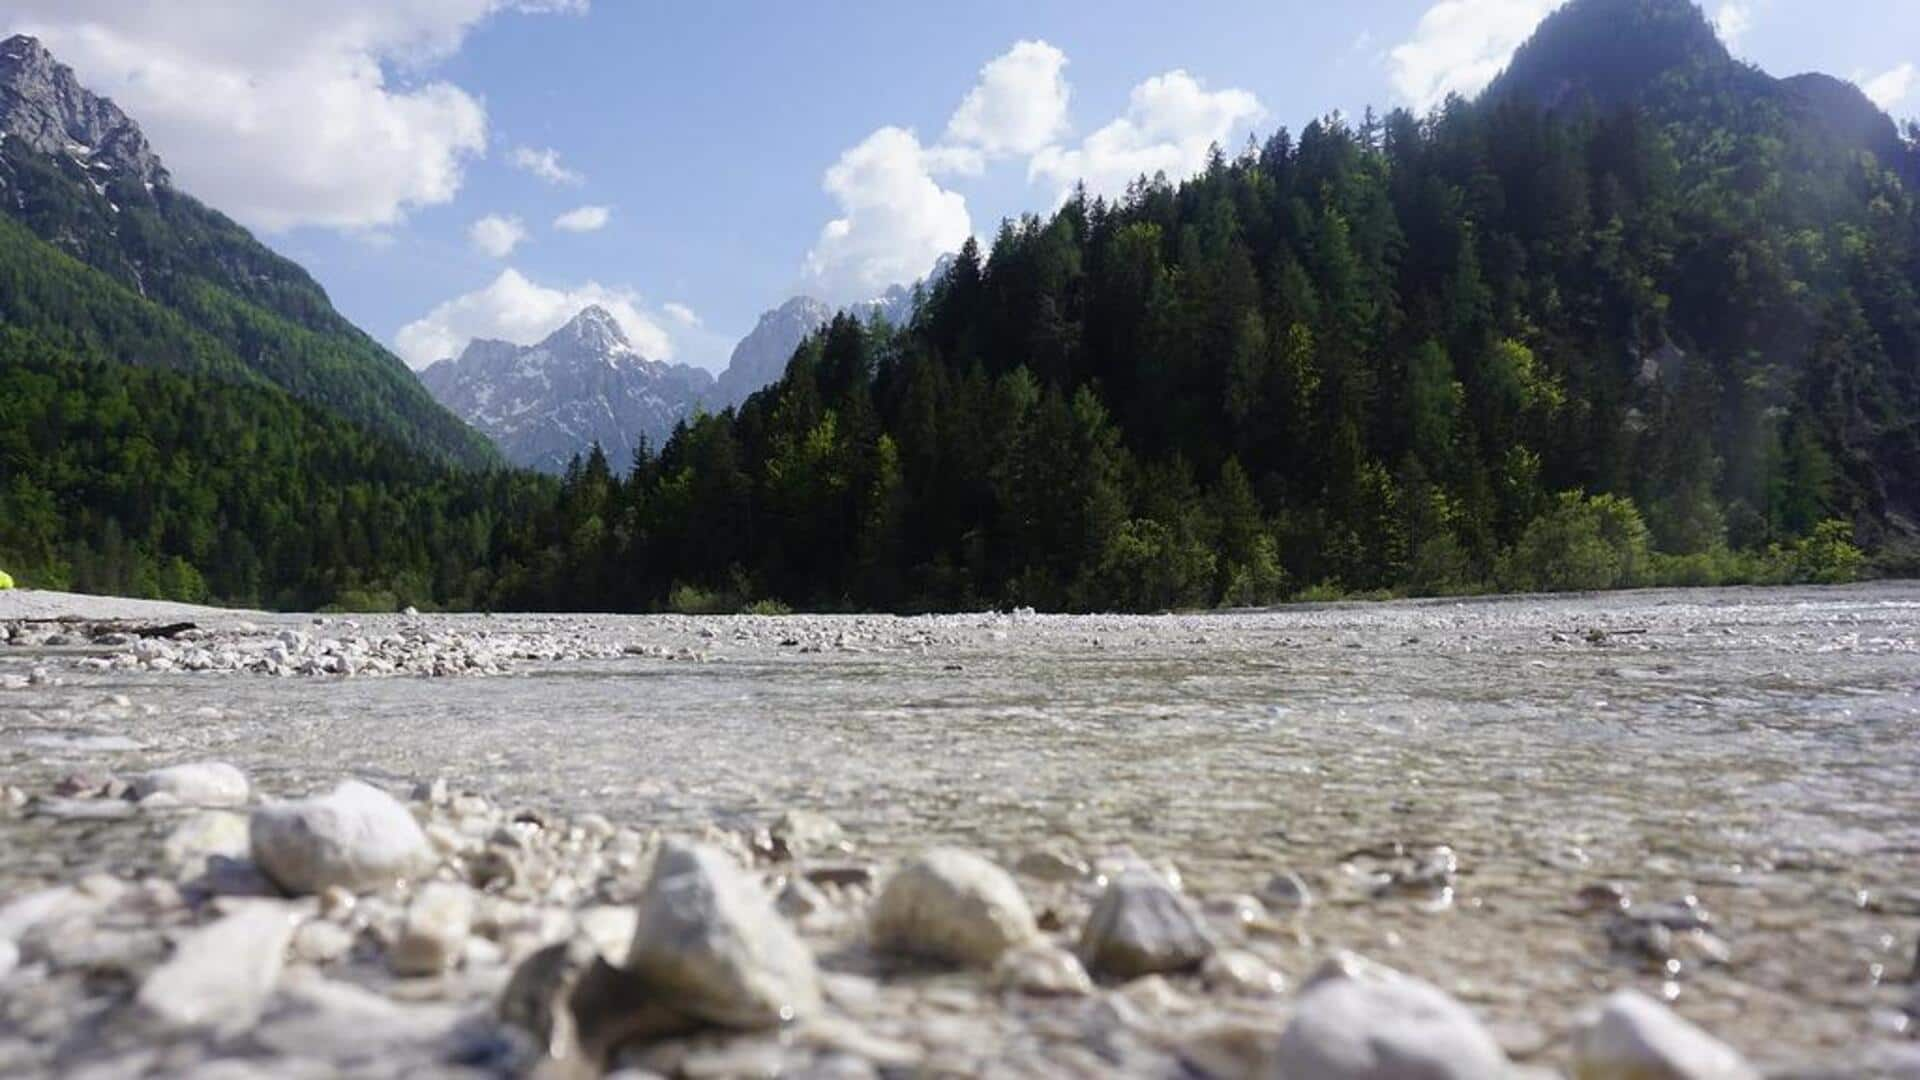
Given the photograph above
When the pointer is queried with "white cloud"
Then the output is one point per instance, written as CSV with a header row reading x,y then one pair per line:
x,y
895,220
681,314
1170,122
1733,20
517,309
584,219
284,115
1460,45
545,164
496,235
1890,88
1018,106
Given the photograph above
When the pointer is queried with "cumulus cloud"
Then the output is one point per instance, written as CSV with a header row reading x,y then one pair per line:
x,y
1733,19
895,219
515,308
544,162
1018,106
681,314
496,235
285,115
1889,88
583,219
1170,122
1460,45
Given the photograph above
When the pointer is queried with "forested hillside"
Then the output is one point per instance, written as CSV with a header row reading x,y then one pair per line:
x,y
193,274
1659,324
142,481
1631,317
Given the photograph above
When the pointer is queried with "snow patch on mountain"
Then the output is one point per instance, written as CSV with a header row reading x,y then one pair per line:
x,y
584,384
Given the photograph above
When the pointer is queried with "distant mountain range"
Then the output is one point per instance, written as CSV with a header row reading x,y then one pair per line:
x,y
542,404
761,357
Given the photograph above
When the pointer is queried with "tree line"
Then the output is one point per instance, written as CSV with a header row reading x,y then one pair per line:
x,y
1495,347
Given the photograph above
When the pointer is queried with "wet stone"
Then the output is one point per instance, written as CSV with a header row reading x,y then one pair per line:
x,y
434,934
356,836
1141,926
801,833
1356,1020
319,941
1636,1038
1286,891
709,940
207,783
219,975
1051,864
204,835
1044,970
952,906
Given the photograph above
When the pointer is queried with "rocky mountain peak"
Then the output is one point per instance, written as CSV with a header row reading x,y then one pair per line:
x,y
584,384
593,330
44,106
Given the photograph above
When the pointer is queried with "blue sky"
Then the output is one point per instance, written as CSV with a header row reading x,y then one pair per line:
x,y
418,155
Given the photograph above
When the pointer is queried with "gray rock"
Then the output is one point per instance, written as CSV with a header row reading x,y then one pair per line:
x,y
1141,926
44,106
204,835
1359,1021
800,898
319,941
1047,864
355,836
761,357
220,975
324,1020
709,940
585,383
203,783
1042,969
1237,971
1286,891
578,1008
800,833
954,906
23,913
1636,1038
433,935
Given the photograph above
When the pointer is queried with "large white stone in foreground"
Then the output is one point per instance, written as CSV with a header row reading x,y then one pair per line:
x,y
1359,1021
220,975
1637,1038
952,905
709,940
355,836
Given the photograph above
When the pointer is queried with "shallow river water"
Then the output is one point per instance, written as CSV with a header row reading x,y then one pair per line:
x,y
1755,750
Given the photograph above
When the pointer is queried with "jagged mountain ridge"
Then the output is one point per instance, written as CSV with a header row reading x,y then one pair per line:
x,y
543,403
761,357
78,178
44,106
584,384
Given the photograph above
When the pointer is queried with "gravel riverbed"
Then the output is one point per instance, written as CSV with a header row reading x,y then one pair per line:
x,y
1648,834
